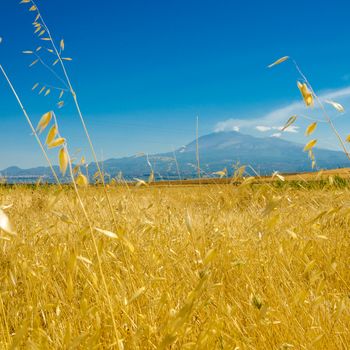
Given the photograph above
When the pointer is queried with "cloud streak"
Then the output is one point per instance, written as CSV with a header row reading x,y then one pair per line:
x,y
275,119
291,128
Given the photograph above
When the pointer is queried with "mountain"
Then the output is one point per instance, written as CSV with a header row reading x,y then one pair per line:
x,y
216,151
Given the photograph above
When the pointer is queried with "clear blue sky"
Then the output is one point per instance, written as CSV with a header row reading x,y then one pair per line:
x,y
144,69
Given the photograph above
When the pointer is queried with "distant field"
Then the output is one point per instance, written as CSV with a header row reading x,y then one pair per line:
x,y
204,267
343,173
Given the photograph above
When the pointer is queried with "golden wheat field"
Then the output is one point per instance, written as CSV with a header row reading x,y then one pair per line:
x,y
220,261
193,267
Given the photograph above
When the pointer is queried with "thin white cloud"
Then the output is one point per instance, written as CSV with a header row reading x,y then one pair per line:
x,y
277,134
225,126
291,128
274,119
263,128
339,93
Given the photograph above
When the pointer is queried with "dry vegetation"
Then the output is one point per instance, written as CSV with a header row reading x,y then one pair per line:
x,y
202,267
301,178
179,266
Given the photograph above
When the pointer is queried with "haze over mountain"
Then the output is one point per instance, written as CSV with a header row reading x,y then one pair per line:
x,y
216,151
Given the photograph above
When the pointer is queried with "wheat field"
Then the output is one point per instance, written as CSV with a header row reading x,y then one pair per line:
x,y
201,264
193,267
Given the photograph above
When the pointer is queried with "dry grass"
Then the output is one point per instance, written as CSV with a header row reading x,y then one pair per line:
x,y
305,177
216,266
213,267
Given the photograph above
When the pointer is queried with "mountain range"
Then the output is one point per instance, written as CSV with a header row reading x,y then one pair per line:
x,y
216,151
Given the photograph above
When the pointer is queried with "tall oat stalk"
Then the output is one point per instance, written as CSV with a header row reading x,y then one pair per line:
x,y
57,52
325,114
309,96
197,149
40,23
91,229
63,164
30,124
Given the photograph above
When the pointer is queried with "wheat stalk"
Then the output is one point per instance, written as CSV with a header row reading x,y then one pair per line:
x,y
76,102
30,124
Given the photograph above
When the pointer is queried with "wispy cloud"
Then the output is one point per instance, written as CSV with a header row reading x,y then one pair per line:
x,y
231,125
275,119
264,128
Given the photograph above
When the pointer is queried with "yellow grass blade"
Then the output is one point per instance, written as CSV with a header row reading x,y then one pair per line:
x,y
279,61
221,173
290,121
5,223
310,129
151,177
137,294
140,182
310,145
306,94
56,143
44,122
107,233
85,260
82,180
51,135
336,106
63,160
113,235
34,62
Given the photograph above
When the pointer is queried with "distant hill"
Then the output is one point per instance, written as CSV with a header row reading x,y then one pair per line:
x,y
216,151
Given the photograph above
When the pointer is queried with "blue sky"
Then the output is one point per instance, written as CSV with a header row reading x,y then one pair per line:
x,y
143,70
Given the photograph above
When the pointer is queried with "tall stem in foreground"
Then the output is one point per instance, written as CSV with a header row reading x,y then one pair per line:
x,y
197,149
91,229
177,166
77,193
30,125
325,114
75,98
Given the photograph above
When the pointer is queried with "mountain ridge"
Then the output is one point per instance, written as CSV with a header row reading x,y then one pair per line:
x,y
216,151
